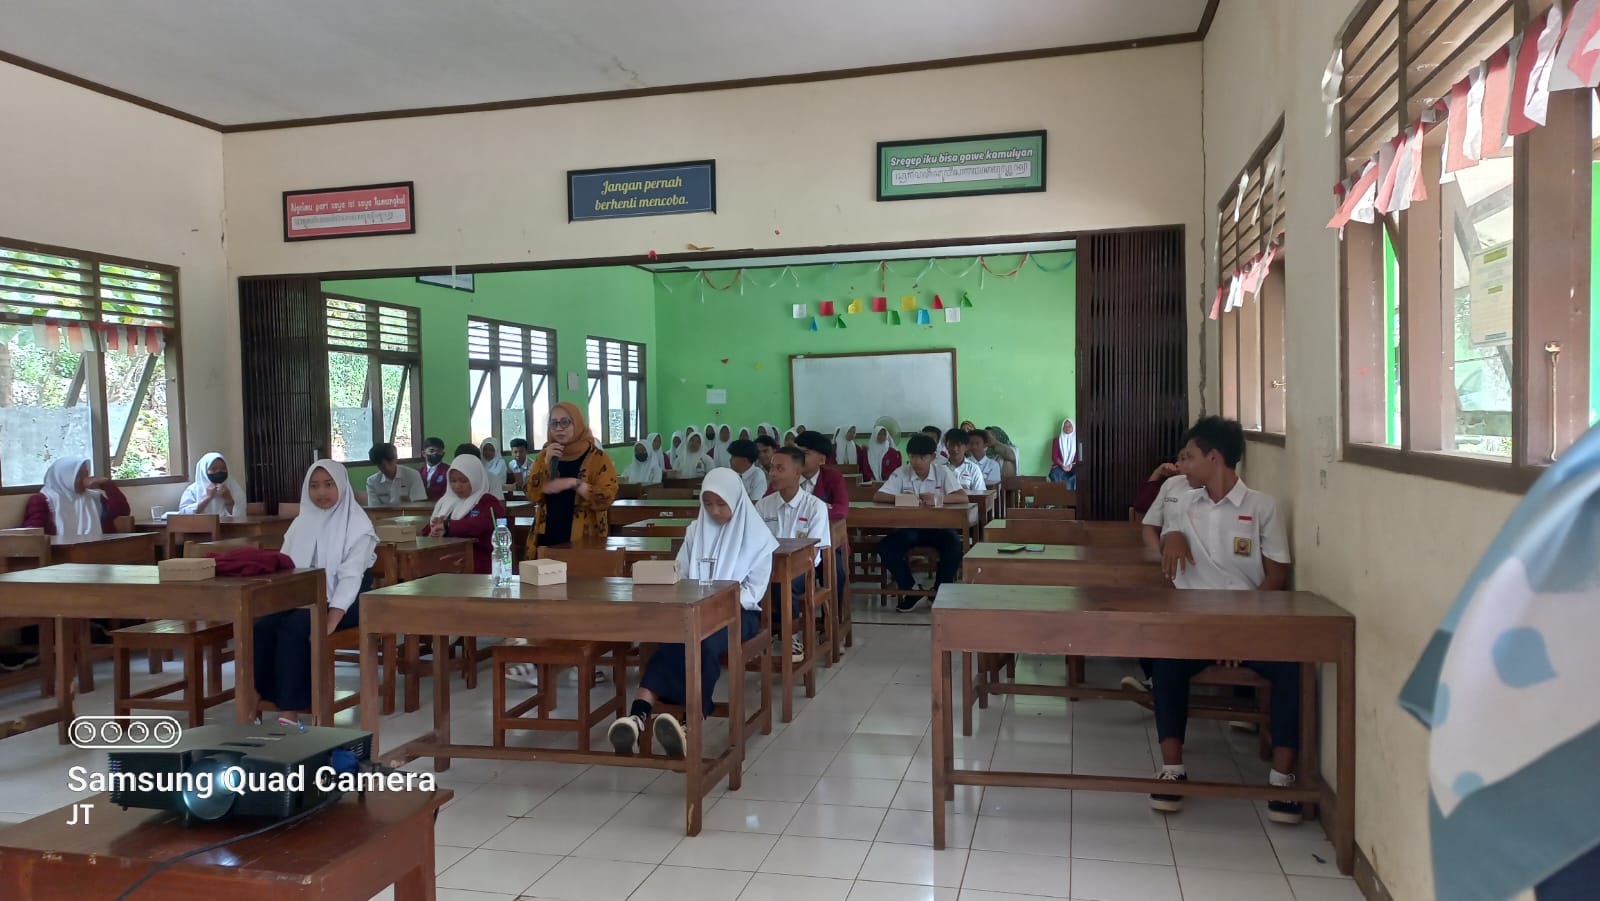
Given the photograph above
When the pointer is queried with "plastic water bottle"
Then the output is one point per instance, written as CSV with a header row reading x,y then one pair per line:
x,y
502,553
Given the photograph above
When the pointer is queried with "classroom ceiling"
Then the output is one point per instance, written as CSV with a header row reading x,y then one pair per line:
x,y
237,62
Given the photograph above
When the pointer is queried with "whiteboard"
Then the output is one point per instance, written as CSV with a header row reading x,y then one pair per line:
x,y
917,388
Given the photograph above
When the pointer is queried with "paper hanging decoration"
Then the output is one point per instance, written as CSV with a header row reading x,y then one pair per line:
x,y
838,322
855,307
825,308
966,299
800,311
952,314
923,318
908,303
894,317
880,304
938,302
813,323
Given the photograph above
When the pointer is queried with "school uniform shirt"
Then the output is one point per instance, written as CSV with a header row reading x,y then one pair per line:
x,y
755,482
968,474
60,509
739,550
990,468
803,517
828,486
405,487
517,472
1172,491
1229,539
905,481
435,479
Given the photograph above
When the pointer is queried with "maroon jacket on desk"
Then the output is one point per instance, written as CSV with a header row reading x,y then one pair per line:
x,y
37,514
479,526
830,489
439,484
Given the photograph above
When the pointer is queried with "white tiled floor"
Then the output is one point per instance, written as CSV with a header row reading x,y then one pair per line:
x,y
834,805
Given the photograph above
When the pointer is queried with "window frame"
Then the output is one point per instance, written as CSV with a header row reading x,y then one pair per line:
x,y
377,358
597,382
494,364
92,369
1242,354
1549,208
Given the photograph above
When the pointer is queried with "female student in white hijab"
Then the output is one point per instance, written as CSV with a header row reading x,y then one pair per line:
x,y
719,448
469,509
727,542
213,491
845,450
675,454
72,503
331,533
709,439
744,434
643,470
882,457
658,455
767,428
1065,455
494,465
693,461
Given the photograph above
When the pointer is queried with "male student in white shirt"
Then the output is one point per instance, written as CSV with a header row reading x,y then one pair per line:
x,y
1224,536
968,473
392,484
978,452
742,457
792,513
925,479
517,465
1174,486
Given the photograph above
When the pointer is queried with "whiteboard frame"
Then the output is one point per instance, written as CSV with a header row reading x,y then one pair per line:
x,y
955,398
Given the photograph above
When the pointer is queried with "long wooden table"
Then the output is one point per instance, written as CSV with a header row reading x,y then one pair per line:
x,y
631,511
354,849
228,526
1039,531
128,547
1291,626
1065,564
796,557
81,591
604,610
656,528
963,518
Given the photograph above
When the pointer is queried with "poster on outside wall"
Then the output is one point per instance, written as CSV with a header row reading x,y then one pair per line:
x,y
357,211
1491,297
961,167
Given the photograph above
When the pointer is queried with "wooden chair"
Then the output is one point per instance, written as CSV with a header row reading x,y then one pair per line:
x,y
862,493
202,645
287,509
848,467
256,509
29,549
630,492
1051,494
183,526
122,525
391,569
657,493
553,656
198,549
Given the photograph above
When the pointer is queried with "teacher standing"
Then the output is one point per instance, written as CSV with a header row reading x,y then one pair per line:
x,y
576,483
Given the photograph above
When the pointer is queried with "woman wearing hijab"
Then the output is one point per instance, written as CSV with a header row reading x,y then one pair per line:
x,y
693,461
331,533
71,503
882,457
577,481
1065,455
494,465
788,438
744,434
1001,448
708,442
469,509
719,448
676,453
643,470
770,430
658,456
212,491
845,451
727,542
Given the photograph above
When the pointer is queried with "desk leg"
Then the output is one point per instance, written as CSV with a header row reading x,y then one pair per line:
x,y
808,622
441,698
966,693
321,667
371,642
1344,838
786,636
65,687
417,884
413,673
694,717
390,668
1310,737
941,725
244,663
736,692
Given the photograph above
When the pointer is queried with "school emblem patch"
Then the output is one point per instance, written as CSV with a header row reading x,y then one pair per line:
x,y
1241,547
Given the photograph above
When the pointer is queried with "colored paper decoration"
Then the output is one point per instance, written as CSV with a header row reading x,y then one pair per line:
x,y
855,307
908,303
825,308
880,304
938,302
813,323
894,317
952,314
922,318
839,322
966,299
800,311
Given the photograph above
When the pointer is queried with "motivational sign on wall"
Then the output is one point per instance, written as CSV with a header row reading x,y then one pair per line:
x,y
961,167
642,191
350,212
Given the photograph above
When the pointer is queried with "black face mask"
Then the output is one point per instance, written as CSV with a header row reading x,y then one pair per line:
x,y
217,478
433,459
641,456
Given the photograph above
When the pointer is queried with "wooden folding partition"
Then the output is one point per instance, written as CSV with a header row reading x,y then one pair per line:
x,y
283,351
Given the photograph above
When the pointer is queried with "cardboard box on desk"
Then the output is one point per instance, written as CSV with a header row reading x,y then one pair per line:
x,y
396,534
907,500
657,572
187,569
544,572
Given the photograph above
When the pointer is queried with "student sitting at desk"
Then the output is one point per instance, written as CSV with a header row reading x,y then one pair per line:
x,y
1160,495
1066,455
517,463
845,452
469,511
434,471
719,447
726,542
818,480
967,471
925,479
494,465
1228,537
468,449
978,453
391,484
766,446
643,470
212,491
937,434
770,430
882,457
792,513
331,533
742,457
693,461
658,456
71,503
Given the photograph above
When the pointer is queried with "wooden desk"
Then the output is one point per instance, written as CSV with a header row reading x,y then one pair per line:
x,y
1066,564
656,528
79,591
1036,531
1292,626
229,526
354,849
405,561
626,512
643,548
988,507
796,557
605,610
963,518
130,548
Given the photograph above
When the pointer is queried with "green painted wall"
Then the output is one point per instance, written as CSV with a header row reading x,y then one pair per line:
x,y
1015,353
612,302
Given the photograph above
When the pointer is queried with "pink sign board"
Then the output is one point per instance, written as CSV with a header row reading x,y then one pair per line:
x,y
349,212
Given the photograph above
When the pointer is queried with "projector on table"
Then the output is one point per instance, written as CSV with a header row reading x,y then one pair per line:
x,y
271,771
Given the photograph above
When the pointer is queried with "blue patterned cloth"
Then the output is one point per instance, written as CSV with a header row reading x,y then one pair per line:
x,y
1510,687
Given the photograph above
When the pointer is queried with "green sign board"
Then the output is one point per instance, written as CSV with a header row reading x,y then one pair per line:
x,y
961,167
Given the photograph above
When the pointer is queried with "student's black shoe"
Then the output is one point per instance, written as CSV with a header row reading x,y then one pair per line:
x,y
1289,813
669,732
908,604
624,734
1168,803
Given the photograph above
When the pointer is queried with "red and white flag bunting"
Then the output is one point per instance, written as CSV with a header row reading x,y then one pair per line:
x,y
1247,280
1577,60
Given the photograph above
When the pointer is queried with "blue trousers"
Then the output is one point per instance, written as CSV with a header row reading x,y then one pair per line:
x,y
1574,883
666,675
283,653
1169,691
1057,474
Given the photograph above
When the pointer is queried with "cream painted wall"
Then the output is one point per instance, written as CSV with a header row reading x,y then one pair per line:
x,y
93,173
1391,549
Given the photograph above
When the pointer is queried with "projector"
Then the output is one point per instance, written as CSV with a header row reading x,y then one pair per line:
x,y
213,772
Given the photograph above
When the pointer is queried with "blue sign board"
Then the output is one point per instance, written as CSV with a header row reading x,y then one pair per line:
x,y
642,191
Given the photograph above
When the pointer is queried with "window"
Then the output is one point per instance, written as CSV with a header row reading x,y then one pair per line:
x,y
1464,354
89,365
1251,334
374,377
510,388
616,390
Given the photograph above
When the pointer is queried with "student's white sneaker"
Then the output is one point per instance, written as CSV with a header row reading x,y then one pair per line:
x,y
526,673
669,732
624,734
797,649
1134,683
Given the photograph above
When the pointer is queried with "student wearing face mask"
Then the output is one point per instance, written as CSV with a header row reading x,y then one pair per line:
x,y
643,470
392,484
435,473
213,492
